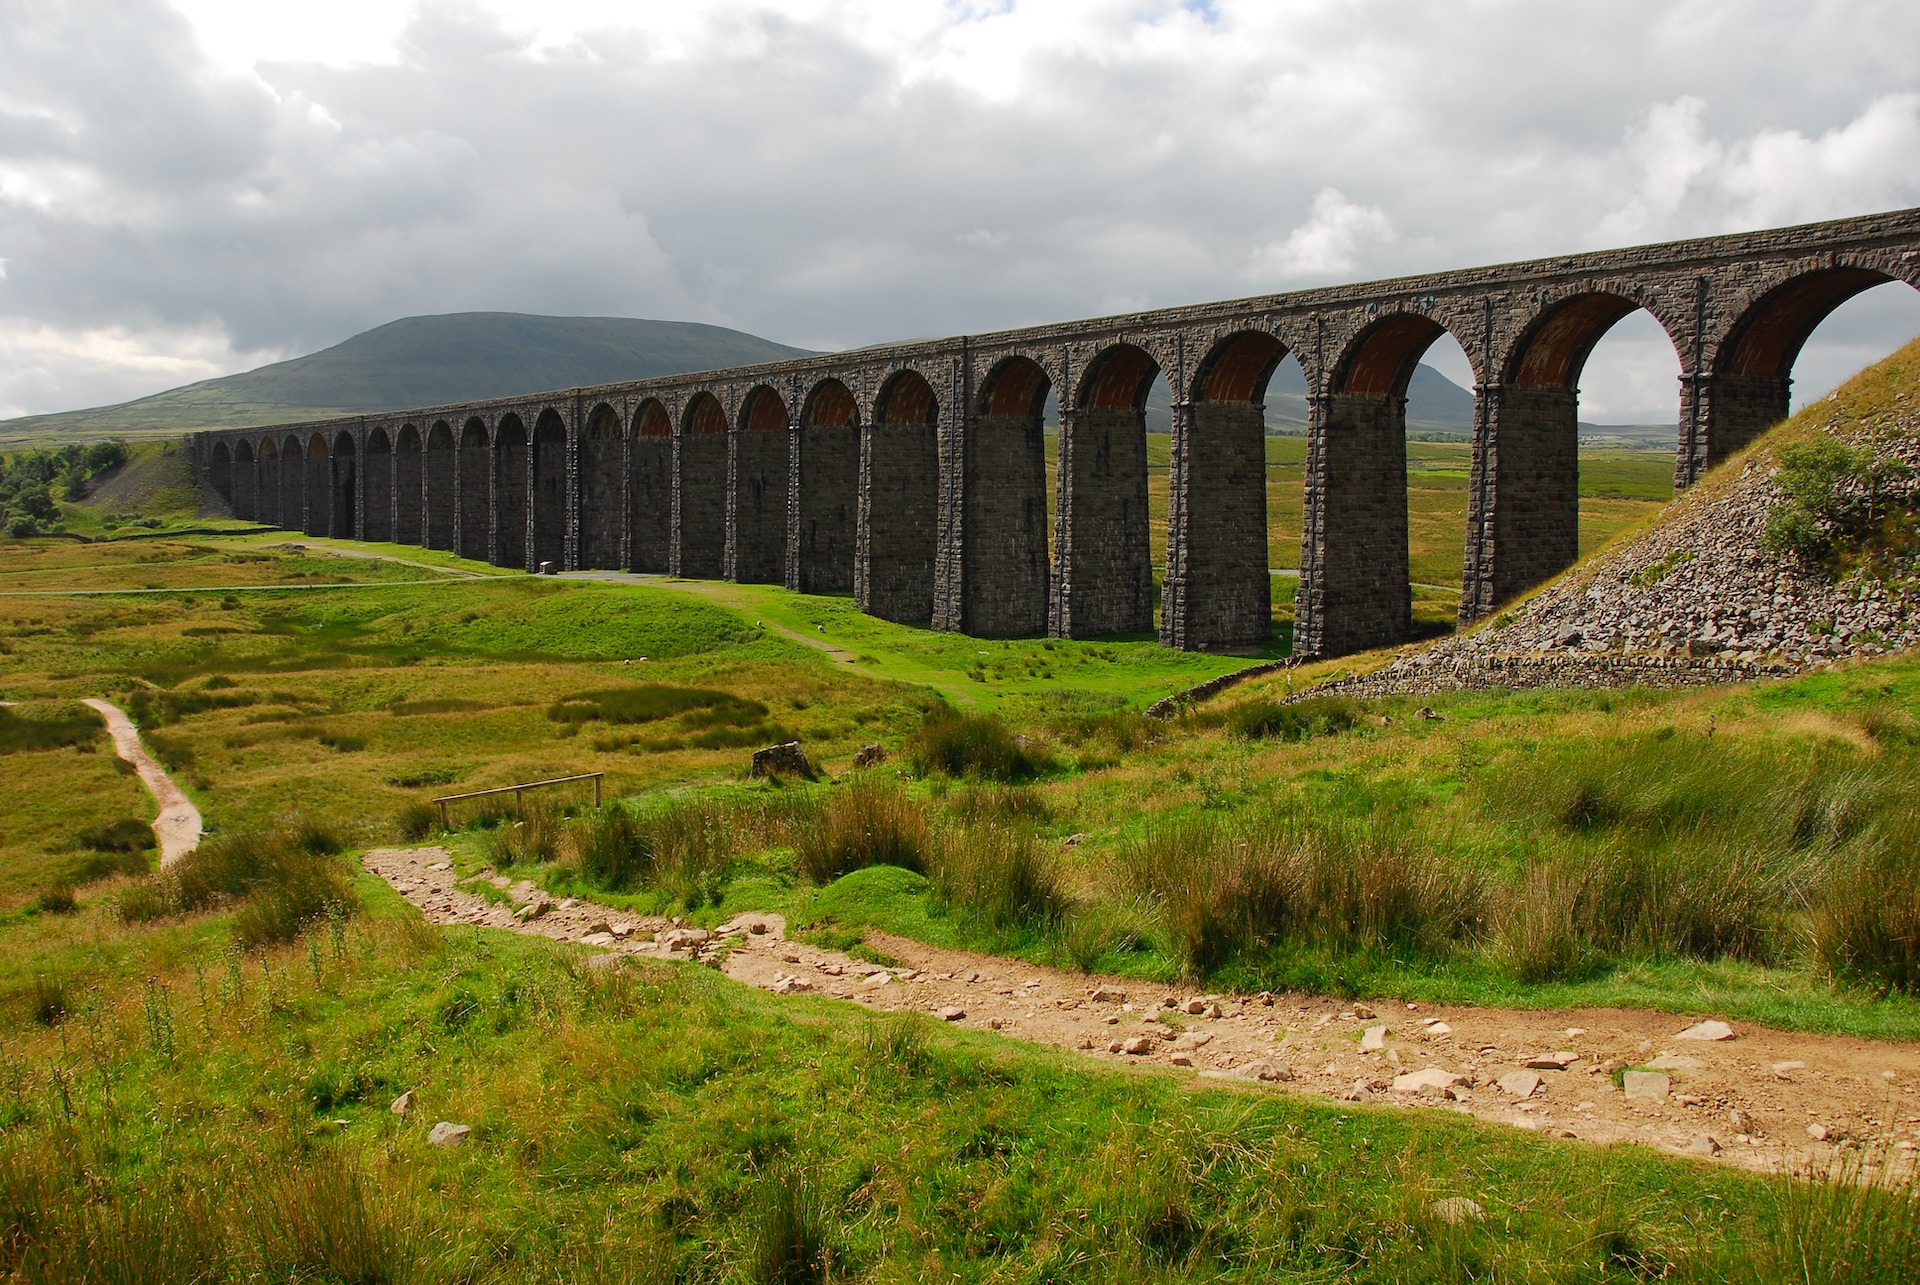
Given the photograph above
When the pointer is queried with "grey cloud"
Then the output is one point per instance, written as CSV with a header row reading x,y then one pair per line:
x,y
799,180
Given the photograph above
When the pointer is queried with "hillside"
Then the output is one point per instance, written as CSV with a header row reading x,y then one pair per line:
x,y
1800,550
423,361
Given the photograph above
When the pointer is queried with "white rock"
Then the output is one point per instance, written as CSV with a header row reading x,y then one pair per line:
x,y
402,1104
1454,1210
1704,1145
446,1134
1650,1086
1373,1039
1431,1078
1519,1083
1709,1030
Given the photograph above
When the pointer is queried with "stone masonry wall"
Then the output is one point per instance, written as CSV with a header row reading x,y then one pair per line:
x,y
829,467
1105,578
1006,570
898,522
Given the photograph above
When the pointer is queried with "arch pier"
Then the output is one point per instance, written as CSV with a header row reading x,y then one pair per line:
x,y
915,475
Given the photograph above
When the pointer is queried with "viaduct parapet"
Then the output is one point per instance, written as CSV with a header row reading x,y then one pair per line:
x,y
914,475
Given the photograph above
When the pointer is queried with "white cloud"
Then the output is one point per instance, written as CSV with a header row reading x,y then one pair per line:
x,y
829,172
1331,242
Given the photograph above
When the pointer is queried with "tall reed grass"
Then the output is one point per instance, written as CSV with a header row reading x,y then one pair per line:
x,y
277,880
995,876
869,822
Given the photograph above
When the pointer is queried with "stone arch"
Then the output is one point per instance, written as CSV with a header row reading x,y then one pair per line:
x,y
293,484
1523,523
1750,386
510,499
550,489
439,465
474,482
1103,551
267,508
602,487
409,487
829,464
343,523
379,486
650,488
1005,571
757,491
246,481
319,487
1356,588
220,471
897,508
700,520
1218,594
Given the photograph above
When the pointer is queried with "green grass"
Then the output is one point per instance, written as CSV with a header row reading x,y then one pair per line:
x,y
659,1121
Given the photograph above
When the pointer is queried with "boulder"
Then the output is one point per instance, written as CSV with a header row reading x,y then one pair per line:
x,y
1432,1078
868,755
953,1014
402,1104
1373,1039
1108,995
1704,1145
1519,1083
447,1134
787,759
1552,1061
1706,1031
1455,1210
1648,1086
1136,1045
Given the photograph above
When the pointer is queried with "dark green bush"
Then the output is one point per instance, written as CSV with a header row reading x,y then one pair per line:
x,y
1315,716
974,745
416,820
20,733
681,848
1866,920
129,834
278,880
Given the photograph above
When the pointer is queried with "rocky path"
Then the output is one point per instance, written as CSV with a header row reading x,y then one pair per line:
x,y
1750,1096
177,828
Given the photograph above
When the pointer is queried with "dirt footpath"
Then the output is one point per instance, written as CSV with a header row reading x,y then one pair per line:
x,y
177,828
1754,1097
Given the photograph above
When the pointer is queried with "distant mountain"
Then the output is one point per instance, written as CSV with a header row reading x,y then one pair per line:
x,y
425,361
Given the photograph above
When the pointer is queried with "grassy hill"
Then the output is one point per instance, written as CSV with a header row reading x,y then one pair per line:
x,y
421,361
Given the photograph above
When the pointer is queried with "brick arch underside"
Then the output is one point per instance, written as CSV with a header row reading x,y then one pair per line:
x,y
1527,467
897,523
1218,595
510,457
293,485
602,491
829,489
377,488
1103,581
757,501
246,482
1752,385
473,473
700,526
344,466
1005,567
220,472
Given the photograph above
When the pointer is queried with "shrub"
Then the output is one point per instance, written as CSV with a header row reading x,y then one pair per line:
x,y
278,880
533,839
125,835
416,820
21,733
1866,920
870,822
681,849
103,865
1835,495
1277,879
47,1000
57,900
787,1240
1315,716
973,745
996,877
977,804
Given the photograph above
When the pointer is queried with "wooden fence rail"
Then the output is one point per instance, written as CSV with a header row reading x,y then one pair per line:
x,y
519,805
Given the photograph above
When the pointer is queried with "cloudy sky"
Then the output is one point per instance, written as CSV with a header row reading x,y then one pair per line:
x,y
191,187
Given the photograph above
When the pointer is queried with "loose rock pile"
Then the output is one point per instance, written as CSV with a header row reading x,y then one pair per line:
x,y
1696,599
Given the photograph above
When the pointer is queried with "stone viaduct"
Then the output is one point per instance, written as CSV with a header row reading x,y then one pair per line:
x,y
914,475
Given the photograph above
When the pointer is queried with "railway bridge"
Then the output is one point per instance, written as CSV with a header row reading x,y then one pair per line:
x,y
914,475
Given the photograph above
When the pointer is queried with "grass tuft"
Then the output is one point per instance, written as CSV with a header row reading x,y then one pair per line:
x,y
869,822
